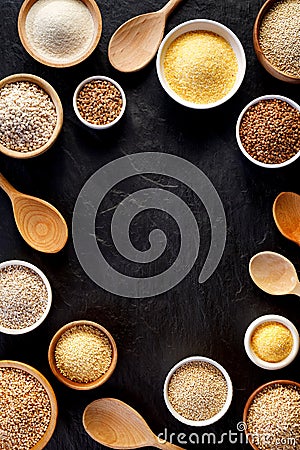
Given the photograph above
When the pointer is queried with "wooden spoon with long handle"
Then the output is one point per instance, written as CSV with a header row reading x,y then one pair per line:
x,y
286,213
116,425
39,223
136,42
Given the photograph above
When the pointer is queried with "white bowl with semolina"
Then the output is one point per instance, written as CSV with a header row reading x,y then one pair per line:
x,y
256,136
82,355
271,342
25,298
201,64
198,391
99,102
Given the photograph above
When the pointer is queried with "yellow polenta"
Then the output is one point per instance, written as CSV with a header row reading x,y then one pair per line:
x,y
200,66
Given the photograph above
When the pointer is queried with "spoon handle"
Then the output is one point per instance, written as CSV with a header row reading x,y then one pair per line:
x,y
170,6
7,187
296,290
166,445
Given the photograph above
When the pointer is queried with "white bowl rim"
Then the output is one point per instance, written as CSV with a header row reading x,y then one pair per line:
x,y
264,364
216,417
237,130
242,65
17,262
78,89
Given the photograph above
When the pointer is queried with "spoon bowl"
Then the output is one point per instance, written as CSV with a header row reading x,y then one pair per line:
x,y
136,42
286,213
39,223
116,425
274,274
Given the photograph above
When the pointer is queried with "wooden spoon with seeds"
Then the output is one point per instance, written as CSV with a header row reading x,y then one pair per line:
x,y
274,274
136,42
116,425
286,213
39,223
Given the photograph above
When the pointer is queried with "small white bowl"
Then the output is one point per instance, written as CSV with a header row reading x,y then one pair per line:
x,y
238,124
199,423
201,25
85,122
268,365
16,262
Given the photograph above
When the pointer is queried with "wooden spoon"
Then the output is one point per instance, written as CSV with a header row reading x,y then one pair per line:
x,y
135,43
116,425
286,212
274,274
39,223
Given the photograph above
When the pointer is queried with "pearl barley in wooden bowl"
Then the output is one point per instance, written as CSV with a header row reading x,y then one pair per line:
x,y
82,355
31,116
276,39
28,407
60,33
271,418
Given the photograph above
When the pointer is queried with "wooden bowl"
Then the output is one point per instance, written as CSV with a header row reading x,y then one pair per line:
x,y
250,400
65,380
258,50
46,385
95,12
59,111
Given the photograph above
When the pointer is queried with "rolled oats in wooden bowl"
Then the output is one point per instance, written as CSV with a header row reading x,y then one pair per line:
x,y
25,297
31,116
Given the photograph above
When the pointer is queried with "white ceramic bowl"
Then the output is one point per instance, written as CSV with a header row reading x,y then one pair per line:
x,y
259,362
201,25
85,122
238,124
213,419
16,262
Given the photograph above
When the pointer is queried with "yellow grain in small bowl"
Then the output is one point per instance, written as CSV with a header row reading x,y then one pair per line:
x,y
272,342
200,66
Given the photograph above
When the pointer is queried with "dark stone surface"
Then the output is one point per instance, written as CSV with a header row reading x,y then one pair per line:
x,y
153,334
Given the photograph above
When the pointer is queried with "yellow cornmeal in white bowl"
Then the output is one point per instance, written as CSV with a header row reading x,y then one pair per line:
x,y
201,67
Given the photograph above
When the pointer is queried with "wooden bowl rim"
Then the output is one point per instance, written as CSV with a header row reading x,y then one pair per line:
x,y
58,107
52,398
251,398
258,50
73,384
97,18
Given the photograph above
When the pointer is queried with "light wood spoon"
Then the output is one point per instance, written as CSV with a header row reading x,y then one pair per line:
x,y
135,43
39,223
286,212
274,274
116,425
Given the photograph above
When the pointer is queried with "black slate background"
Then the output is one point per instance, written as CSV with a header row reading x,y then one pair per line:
x,y
153,334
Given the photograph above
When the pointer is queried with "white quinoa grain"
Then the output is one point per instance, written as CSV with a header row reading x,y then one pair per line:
x,y
23,297
197,391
